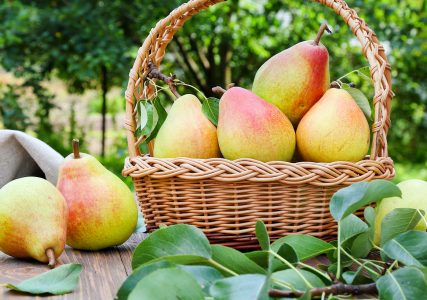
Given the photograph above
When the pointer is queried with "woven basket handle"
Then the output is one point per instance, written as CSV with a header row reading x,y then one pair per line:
x,y
154,46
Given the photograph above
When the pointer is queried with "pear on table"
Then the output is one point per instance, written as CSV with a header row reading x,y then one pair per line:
x,y
249,127
33,220
295,78
335,129
186,132
102,210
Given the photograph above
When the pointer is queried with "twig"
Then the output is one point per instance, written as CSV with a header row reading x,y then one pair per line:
x,y
154,72
335,289
218,90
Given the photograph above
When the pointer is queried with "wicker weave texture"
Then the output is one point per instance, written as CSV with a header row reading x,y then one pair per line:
x,y
225,198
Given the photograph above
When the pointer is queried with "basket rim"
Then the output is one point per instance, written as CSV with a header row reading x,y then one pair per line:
x,y
247,169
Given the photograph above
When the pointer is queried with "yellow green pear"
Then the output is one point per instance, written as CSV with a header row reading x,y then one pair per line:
x,y
102,210
414,195
334,129
186,132
33,220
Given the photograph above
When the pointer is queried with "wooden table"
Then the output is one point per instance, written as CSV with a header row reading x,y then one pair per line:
x,y
104,271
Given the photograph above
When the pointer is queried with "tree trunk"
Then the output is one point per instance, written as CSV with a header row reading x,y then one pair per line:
x,y
104,87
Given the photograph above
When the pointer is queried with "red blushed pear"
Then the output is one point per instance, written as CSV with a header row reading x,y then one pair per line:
x,y
33,220
102,210
249,127
295,78
335,129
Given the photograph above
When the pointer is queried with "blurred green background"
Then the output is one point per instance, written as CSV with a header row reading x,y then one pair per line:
x,y
64,64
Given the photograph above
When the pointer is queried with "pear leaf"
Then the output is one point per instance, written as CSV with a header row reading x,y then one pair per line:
x,y
210,107
262,235
360,99
407,283
398,221
349,199
59,281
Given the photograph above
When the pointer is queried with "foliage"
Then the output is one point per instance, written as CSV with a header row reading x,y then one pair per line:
x,y
180,256
12,115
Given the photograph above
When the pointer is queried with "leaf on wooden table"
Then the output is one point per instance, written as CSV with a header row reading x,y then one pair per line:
x,y
59,281
165,284
204,275
177,240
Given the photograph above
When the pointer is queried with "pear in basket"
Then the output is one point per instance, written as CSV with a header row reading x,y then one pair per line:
x,y
334,129
295,78
186,132
249,127
102,210
33,220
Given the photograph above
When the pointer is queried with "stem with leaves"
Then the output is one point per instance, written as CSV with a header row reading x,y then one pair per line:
x,y
335,289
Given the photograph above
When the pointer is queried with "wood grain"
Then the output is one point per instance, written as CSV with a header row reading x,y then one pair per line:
x,y
103,273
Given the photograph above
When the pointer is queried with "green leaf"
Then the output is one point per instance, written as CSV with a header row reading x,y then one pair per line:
x,y
210,108
350,227
369,214
403,284
59,281
261,258
295,281
177,240
408,248
360,99
148,117
204,275
398,221
161,117
365,72
243,287
288,253
235,260
165,284
349,199
305,246
362,245
262,235
129,284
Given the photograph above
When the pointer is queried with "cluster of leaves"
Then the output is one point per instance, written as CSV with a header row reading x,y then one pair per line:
x,y
179,262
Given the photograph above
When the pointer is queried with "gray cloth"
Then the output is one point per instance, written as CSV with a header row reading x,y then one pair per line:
x,y
22,155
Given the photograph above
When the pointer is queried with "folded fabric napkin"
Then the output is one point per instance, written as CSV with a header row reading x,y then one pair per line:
x,y
23,155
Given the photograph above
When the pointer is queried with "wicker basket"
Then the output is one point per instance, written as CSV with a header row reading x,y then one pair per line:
x,y
225,198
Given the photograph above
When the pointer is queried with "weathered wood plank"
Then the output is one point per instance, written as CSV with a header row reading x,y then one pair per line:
x,y
104,272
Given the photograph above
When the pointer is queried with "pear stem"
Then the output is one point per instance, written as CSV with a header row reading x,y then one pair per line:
x,y
322,29
218,90
51,255
76,150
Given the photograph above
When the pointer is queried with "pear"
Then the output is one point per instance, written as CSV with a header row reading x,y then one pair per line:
x,y
334,129
249,127
186,132
295,78
102,210
33,220
414,195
